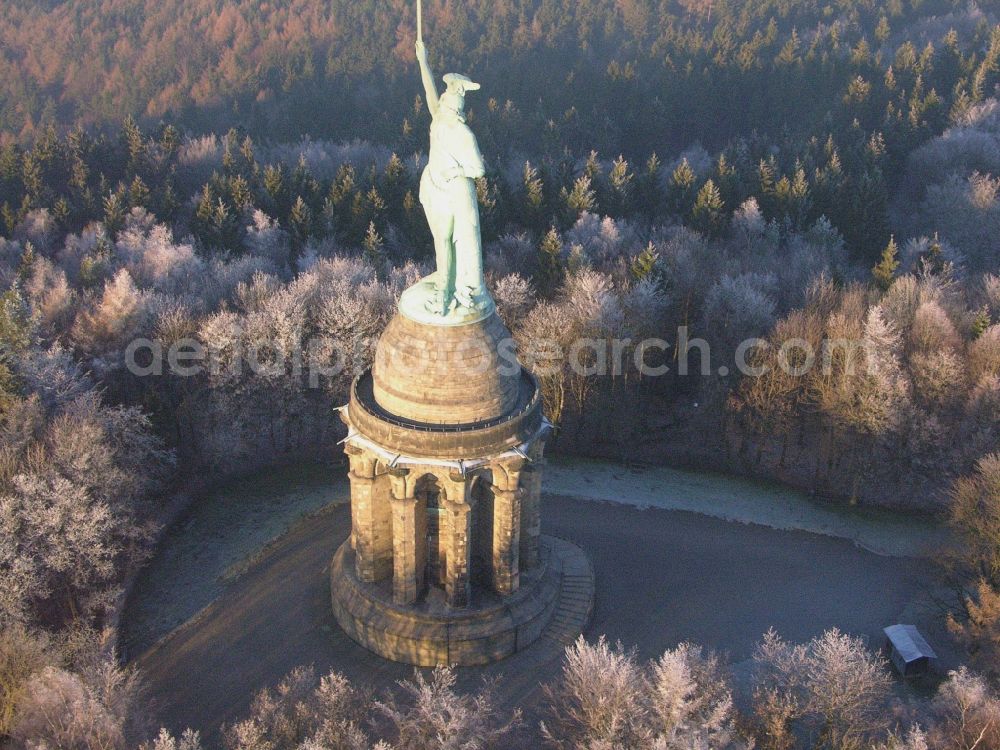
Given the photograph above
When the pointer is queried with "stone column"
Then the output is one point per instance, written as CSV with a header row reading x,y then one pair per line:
x,y
381,494
531,514
407,570
363,532
506,539
458,581
458,586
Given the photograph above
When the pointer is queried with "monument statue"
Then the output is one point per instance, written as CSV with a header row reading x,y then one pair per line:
x,y
456,292
446,563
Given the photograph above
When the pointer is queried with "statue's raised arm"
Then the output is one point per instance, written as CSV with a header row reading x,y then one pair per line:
x,y
430,88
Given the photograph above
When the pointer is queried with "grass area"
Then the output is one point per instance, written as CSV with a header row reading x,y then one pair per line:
x,y
215,541
745,501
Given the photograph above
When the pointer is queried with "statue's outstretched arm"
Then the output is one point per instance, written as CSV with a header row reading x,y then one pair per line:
x,y
430,88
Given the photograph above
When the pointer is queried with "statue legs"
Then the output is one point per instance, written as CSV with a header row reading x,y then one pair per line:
x,y
454,221
469,254
443,228
469,282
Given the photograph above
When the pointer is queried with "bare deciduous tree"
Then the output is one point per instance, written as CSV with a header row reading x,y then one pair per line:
x,y
965,714
975,515
92,704
432,715
831,687
299,713
598,698
22,654
605,699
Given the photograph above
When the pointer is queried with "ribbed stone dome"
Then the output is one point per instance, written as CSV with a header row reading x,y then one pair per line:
x,y
447,374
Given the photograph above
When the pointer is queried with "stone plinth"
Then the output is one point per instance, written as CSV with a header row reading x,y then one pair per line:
x,y
434,634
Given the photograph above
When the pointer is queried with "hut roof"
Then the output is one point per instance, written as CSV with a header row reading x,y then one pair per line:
x,y
906,639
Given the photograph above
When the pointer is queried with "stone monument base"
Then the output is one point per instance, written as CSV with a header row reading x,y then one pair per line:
x,y
432,634
418,304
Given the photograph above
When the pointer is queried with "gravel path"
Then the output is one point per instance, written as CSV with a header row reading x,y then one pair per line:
x,y
663,577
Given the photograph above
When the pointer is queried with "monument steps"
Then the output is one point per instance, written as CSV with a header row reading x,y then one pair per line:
x,y
576,596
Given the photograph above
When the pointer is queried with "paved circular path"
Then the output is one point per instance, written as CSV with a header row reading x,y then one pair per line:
x,y
662,577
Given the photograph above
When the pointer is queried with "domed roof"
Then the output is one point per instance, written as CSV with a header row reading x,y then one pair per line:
x,y
447,374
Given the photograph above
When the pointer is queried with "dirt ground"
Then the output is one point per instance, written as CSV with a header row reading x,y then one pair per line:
x,y
663,576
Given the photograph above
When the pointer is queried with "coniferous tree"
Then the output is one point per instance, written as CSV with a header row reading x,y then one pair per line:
x,y
885,272
549,272
395,180
933,259
138,194
767,187
114,213
882,31
532,198
621,180
170,141
649,193
374,247
644,264
61,211
168,202
592,169
866,227
240,193
28,259
300,221
581,198
981,324
205,208
682,189
9,218
276,189
708,215
225,229
135,142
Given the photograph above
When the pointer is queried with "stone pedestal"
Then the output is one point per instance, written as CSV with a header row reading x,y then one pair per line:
x,y
446,437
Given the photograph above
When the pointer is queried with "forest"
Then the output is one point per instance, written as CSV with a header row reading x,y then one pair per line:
x,y
244,175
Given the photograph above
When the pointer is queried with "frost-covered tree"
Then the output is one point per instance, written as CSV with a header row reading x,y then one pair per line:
x,y
965,713
975,515
543,341
932,330
73,508
831,687
690,701
984,355
598,700
264,238
22,655
604,698
430,714
514,297
91,703
299,713
59,543
739,308
188,740
105,327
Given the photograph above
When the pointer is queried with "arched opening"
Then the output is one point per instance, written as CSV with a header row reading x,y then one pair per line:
x,y
482,531
428,492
